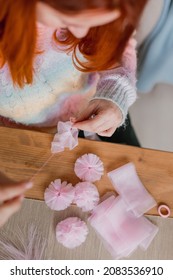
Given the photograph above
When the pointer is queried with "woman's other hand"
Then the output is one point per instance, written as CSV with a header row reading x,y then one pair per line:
x,y
11,196
100,116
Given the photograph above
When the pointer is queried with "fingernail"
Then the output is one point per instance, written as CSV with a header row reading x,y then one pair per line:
x,y
72,119
28,185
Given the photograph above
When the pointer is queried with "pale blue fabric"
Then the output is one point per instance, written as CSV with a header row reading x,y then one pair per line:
x,y
155,55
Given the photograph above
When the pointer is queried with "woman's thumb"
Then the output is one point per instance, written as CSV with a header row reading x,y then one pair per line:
x,y
83,114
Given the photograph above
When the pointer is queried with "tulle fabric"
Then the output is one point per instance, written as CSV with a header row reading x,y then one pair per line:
x,y
71,232
86,196
119,229
127,183
58,196
89,168
66,137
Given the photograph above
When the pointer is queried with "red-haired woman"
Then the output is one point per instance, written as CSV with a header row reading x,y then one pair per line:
x,y
68,58
82,53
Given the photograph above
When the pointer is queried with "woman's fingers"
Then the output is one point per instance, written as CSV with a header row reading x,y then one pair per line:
x,y
100,116
100,121
108,132
11,196
91,124
8,208
86,113
103,122
13,190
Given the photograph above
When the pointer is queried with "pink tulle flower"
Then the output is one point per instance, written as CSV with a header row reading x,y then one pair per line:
x,y
71,232
86,196
66,137
58,196
89,168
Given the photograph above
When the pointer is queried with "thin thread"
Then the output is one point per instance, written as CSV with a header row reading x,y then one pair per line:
x,y
40,169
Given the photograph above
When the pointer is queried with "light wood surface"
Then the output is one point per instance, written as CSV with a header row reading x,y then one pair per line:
x,y
23,153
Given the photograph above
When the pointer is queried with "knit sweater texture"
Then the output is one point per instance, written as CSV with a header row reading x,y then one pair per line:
x,y
59,90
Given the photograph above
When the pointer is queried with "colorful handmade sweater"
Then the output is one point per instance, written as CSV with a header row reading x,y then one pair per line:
x,y
59,89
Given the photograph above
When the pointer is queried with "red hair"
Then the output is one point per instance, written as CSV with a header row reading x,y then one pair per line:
x,y
102,47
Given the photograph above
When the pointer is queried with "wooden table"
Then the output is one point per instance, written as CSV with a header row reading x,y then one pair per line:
x,y
23,153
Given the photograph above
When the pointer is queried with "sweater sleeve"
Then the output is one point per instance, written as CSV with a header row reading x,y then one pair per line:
x,y
119,85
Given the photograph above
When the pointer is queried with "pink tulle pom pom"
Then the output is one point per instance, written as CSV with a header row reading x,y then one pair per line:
x,y
86,196
67,137
89,168
58,196
71,232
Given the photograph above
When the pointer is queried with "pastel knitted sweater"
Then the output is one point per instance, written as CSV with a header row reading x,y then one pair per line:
x,y
59,90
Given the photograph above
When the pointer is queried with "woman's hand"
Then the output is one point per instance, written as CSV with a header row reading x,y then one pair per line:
x,y
100,116
11,196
